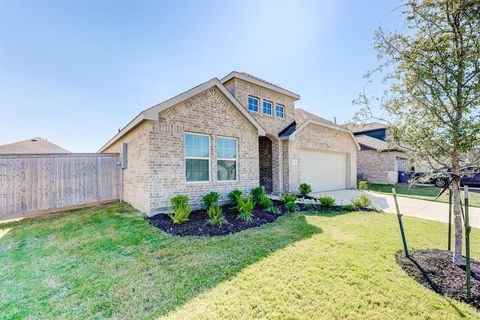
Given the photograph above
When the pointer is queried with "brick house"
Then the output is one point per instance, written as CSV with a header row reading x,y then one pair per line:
x,y
377,161
234,133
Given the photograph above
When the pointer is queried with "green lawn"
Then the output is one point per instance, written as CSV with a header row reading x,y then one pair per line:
x,y
422,192
103,263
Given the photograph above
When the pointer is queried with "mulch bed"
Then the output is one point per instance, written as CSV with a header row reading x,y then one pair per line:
x,y
299,196
434,269
197,223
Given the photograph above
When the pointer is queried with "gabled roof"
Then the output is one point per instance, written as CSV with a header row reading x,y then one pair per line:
x,y
259,82
304,118
33,145
372,143
152,113
288,130
301,116
358,128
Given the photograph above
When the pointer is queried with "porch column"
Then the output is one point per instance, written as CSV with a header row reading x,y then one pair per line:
x,y
277,166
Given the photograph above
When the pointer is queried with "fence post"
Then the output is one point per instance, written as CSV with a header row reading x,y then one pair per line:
x,y
399,216
450,219
467,245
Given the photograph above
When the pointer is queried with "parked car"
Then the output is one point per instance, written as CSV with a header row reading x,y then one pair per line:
x,y
470,177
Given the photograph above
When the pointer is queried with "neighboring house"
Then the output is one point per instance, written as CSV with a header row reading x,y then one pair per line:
x,y
34,145
377,162
235,133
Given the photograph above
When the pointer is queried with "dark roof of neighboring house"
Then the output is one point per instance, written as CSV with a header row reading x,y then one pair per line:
x,y
34,145
372,143
301,116
358,128
367,142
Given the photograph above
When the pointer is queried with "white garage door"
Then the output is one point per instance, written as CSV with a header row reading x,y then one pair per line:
x,y
323,170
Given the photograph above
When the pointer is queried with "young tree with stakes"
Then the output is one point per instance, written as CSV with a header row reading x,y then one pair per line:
x,y
432,71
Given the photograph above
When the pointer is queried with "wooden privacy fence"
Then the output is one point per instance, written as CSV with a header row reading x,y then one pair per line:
x,y
30,183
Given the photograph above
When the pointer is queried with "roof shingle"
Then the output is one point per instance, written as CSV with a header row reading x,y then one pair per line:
x,y
34,145
372,143
355,128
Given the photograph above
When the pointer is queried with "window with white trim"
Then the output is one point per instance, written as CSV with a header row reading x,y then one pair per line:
x,y
253,104
279,111
226,159
267,107
197,157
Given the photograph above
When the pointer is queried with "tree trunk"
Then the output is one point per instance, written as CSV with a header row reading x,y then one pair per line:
x,y
457,214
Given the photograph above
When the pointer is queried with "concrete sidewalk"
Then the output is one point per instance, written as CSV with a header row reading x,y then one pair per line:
x,y
430,210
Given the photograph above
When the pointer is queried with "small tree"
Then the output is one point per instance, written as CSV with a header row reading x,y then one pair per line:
x,y
433,97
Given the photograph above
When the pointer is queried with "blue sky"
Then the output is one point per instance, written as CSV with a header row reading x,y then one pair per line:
x,y
76,71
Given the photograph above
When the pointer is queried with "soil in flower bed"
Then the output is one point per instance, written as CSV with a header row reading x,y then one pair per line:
x,y
197,222
434,269
299,196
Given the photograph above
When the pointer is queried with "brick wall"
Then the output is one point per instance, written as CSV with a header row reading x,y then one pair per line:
x,y
241,90
156,156
285,165
315,137
210,113
277,165
379,167
136,177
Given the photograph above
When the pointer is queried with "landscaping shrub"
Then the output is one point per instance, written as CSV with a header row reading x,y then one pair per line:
x,y
362,201
304,189
289,201
274,210
265,202
257,193
349,207
363,185
211,199
310,206
291,207
245,207
181,209
326,201
233,195
288,198
216,216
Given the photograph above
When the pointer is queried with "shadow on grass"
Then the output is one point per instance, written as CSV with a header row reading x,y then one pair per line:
x,y
427,278
113,264
331,214
435,287
429,282
222,258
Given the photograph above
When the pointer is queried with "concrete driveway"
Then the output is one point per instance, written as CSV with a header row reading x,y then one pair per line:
x,y
424,209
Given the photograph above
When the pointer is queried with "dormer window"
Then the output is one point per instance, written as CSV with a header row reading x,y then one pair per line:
x,y
279,111
267,107
253,104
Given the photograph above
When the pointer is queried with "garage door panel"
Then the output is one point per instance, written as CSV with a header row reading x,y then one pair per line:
x,y
323,170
